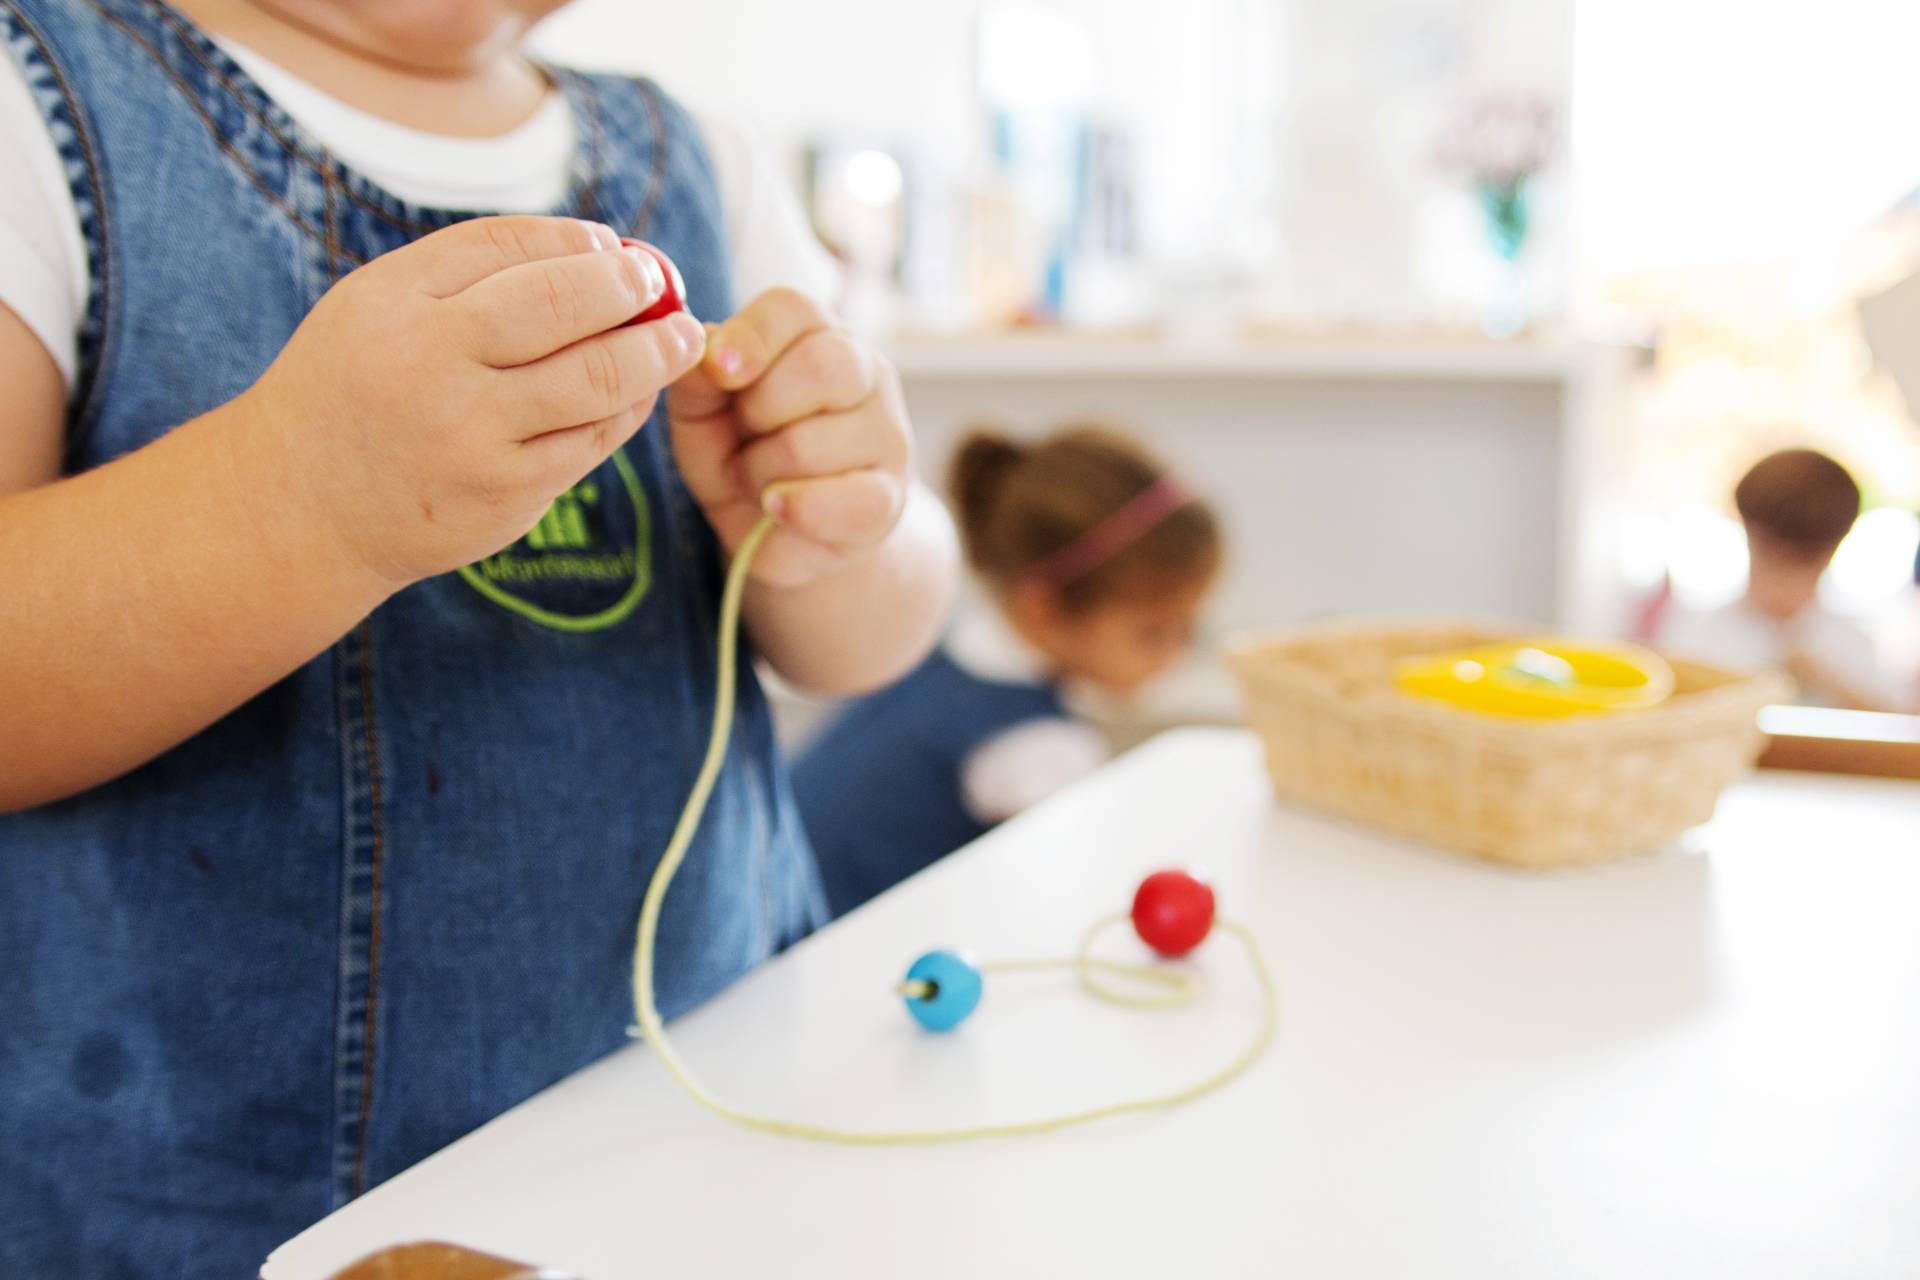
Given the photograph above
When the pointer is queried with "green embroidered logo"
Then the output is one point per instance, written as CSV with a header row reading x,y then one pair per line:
x,y
585,566
565,524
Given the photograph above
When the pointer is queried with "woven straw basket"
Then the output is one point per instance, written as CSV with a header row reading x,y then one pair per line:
x,y
1340,736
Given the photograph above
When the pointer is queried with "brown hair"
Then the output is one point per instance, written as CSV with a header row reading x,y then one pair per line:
x,y
1800,499
1020,503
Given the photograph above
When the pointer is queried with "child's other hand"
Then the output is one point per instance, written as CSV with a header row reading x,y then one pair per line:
x,y
436,401
790,406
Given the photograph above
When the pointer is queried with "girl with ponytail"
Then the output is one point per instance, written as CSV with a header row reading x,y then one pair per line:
x,y
1093,560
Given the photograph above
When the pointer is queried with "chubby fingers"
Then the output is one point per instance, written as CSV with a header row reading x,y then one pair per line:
x,y
740,351
782,359
564,456
787,411
823,372
462,255
523,313
825,445
604,375
850,512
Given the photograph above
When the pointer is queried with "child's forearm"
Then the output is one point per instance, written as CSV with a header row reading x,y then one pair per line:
x,y
872,621
425,413
143,600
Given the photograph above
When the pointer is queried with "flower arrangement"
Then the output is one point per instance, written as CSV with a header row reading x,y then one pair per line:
x,y
1499,142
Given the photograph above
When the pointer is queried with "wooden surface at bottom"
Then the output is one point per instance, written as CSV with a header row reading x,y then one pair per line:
x,y
1863,743
433,1260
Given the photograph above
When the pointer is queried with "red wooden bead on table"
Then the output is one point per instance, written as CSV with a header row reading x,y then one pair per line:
x,y
675,297
1173,912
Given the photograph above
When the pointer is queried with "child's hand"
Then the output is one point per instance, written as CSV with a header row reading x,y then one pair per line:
x,y
436,401
789,410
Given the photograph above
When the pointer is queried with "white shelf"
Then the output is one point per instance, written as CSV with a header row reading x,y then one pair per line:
x,y
1067,356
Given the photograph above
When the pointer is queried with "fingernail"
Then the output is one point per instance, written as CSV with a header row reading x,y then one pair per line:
x,y
774,501
728,360
653,280
687,333
604,236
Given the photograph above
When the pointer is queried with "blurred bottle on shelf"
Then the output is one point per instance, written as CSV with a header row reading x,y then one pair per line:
x,y
857,198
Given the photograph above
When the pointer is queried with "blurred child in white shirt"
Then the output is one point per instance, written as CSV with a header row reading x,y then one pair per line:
x,y
1797,506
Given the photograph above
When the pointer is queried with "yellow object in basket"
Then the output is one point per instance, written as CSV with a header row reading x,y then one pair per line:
x,y
1541,679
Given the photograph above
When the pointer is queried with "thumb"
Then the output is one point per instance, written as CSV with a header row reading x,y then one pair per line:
x,y
698,396
701,430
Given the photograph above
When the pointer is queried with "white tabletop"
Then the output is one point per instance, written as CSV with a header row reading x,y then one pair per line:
x,y
1705,1062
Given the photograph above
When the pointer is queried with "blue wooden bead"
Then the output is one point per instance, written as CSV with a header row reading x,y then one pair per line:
x,y
951,991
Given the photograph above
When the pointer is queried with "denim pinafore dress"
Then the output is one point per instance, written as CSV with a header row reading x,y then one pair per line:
x,y
395,894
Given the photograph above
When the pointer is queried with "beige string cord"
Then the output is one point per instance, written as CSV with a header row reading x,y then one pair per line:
x,y
1156,987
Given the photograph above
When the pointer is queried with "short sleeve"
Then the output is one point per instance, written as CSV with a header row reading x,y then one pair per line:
x,y
43,260
1022,766
768,239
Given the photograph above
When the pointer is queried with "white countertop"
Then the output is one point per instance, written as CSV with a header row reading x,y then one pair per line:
x,y
1702,1063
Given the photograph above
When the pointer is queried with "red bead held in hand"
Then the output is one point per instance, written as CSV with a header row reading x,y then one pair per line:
x,y
1173,912
675,297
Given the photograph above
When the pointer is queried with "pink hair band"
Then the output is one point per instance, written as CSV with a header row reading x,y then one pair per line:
x,y
1130,522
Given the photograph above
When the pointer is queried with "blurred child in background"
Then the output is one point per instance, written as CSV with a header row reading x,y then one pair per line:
x,y
1797,506
1095,561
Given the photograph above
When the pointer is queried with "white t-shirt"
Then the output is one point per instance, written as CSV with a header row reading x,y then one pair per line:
x,y
1742,638
1018,767
43,259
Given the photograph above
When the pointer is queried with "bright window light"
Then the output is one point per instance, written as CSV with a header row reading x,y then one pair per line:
x,y
1707,557
1874,566
873,178
1033,57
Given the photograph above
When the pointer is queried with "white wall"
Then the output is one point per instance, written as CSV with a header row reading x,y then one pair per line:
x,y
900,72
1288,140
1340,493
790,69
1713,131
